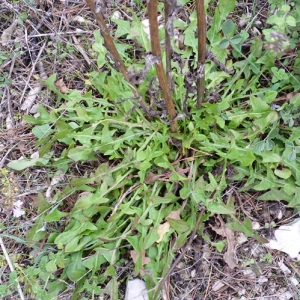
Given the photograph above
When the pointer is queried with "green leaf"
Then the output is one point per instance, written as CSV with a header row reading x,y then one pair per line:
x,y
295,100
168,198
269,144
55,215
75,230
260,239
270,157
259,147
86,201
224,44
36,233
22,164
284,173
236,40
247,158
123,27
75,269
80,153
51,266
270,96
275,194
225,7
134,241
189,37
94,262
245,227
290,21
179,225
42,131
228,27
273,133
258,105
219,208
150,238
219,245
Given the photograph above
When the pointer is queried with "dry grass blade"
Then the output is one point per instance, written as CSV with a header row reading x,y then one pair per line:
x,y
11,268
201,51
155,46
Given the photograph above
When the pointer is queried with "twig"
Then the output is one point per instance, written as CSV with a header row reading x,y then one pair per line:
x,y
201,51
187,245
7,92
32,70
11,267
155,47
80,49
5,156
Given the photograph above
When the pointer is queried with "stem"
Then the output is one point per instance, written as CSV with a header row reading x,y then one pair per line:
x,y
168,44
201,50
109,43
155,47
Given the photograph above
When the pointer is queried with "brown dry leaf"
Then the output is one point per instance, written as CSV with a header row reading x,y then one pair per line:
x,y
162,229
151,178
61,86
182,171
8,32
175,214
145,260
290,95
219,230
31,97
224,231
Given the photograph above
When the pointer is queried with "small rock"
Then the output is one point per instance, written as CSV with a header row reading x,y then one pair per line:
x,y
255,225
294,281
249,274
284,268
262,279
218,284
136,290
241,238
285,296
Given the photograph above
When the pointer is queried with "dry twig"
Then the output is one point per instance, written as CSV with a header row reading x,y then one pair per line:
x,y
155,47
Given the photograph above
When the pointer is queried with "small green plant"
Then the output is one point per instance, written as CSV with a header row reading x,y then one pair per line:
x,y
270,225
268,258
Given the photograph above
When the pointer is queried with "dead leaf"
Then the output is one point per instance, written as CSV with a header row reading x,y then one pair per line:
x,y
135,255
145,260
151,178
175,214
32,95
162,229
8,32
61,86
224,231
182,171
